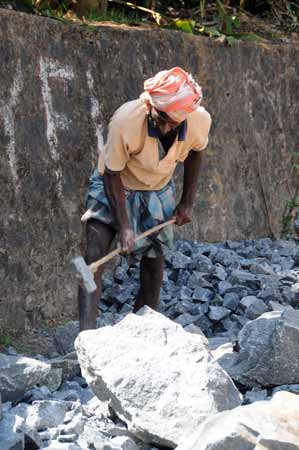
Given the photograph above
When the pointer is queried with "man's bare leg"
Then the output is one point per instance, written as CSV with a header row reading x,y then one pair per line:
x,y
99,237
151,276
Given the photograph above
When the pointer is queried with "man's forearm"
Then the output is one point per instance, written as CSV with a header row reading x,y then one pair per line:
x,y
191,171
116,195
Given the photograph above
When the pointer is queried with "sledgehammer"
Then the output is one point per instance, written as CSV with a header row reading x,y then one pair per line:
x,y
86,272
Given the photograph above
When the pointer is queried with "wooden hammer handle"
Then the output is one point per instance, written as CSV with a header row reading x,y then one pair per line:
x,y
95,265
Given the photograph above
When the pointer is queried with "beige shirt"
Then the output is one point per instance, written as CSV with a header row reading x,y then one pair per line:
x,y
133,147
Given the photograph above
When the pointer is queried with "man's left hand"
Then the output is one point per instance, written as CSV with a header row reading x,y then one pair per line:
x,y
183,214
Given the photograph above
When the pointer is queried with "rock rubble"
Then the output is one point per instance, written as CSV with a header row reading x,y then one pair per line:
x,y
234,319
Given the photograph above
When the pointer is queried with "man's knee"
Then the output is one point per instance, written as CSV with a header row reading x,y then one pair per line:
x,y
99,237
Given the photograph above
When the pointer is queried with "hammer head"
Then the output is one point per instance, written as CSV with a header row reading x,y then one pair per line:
x,y
85,274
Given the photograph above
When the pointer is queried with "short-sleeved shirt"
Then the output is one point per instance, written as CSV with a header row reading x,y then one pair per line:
x,y
134,149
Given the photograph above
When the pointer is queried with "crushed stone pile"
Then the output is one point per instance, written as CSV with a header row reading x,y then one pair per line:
x,y
222,349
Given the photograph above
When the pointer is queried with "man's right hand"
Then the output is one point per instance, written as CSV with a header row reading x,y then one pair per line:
x,y
127,242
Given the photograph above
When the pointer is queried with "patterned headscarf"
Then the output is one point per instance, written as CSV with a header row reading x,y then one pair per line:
x,y
173,91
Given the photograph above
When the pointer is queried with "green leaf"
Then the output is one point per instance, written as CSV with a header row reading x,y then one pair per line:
x,y
236,22
210,31
185,25
228,25
231,40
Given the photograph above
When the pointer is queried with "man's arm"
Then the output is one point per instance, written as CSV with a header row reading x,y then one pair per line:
x,y
183,211
116,196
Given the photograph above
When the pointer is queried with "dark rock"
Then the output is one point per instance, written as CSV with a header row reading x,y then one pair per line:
x,y
202,295
65,335
182,278
217,313
253,306
199,309
180,261
220,273
120,273
240,277
223,286
185,247
231,301
226,257
234,245
205,325
197,280
186,319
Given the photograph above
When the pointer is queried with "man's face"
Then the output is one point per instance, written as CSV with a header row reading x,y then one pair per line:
x,y
163,123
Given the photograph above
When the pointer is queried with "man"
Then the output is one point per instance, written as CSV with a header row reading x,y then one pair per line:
x,y
132,188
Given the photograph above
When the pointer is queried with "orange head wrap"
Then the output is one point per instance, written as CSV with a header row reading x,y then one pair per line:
x,y
173,91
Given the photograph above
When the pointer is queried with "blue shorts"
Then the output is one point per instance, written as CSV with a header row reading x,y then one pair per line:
x,y
145,209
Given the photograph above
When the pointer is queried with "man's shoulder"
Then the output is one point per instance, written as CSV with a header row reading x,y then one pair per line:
x,y
200,115
129,112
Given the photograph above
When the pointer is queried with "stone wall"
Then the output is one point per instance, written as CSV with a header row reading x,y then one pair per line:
x,y
59,86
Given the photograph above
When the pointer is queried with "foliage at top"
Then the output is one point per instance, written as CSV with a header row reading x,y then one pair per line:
x,y
226,20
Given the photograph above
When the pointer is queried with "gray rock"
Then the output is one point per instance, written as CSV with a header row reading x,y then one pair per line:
x,y
276,306
262,425
220,273
216,342
202,264
39,393
92,437
54,378
194,329
263,269
49,435
68,364
240,319
226,257
256,395
218,313
120,273
223,286
15,435
255,307
231,301
182,278
234,245
197,280
206,326
19,374
43,414
185,293
56,445
242,291
290,294
202,295
121,443
65,335
186,319
12,441
269,353
144,370
67,437
293,388
199,309
180,261
76,425
287,263
243,278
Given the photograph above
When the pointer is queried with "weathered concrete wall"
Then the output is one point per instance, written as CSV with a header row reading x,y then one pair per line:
x,y
59,86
